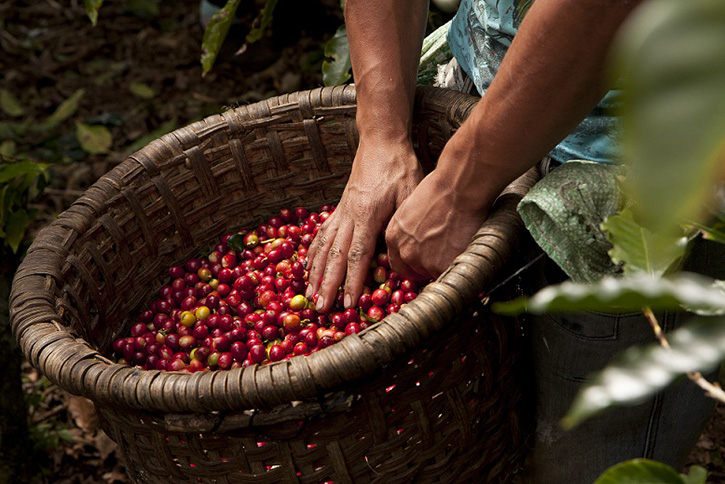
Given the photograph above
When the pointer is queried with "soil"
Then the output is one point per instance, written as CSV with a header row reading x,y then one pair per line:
x,y
140,72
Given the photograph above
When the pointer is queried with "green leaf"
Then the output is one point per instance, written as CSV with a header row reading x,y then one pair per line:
x,y
21,168
640,471
10,104
261,22
145,9
92,7
93,139
16,225
641,371
215,33
336,68
66,435
715,231
236,242
638,249
698,475
670,58
142,90
65,110
622,294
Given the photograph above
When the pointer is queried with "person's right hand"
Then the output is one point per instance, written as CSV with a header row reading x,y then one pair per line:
x,y
383,175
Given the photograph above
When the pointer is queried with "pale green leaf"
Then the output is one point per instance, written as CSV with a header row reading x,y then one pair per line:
x,y
716,285
613,294
714,231
336,67
672,63
641,371
65,110
142,90
697,475
93,139
638,249
10,104
15,227
640,471
21,168
215,33
7,148
261,22
92,7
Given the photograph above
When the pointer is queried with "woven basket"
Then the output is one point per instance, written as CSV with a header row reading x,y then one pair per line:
x,y
430,394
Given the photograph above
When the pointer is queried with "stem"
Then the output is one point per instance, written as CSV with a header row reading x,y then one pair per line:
x,y
659,334
712,390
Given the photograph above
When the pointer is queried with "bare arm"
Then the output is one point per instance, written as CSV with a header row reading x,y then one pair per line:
x,y
385,41
552,76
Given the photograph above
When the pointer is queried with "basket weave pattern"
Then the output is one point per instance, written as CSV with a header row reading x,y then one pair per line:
x,y
399,402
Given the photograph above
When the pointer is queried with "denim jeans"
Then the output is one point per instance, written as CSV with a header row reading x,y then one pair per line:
x,y
568,348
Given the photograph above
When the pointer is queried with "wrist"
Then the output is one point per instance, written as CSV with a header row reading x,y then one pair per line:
x,y
471,173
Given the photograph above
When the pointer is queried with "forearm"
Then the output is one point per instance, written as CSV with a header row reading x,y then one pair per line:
x,y
552,76
385,41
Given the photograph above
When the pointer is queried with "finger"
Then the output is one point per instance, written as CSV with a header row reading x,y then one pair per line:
x,y
323,234
359,256
322,243
335,267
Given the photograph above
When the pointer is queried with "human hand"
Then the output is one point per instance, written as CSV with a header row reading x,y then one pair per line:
x,y
431,228
383,175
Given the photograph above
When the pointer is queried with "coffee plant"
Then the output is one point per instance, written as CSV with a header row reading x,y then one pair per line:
x,y
670,58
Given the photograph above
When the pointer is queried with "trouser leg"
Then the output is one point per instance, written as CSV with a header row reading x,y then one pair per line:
x,y
567,349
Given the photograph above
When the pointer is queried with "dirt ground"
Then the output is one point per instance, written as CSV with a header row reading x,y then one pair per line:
x,y
140,74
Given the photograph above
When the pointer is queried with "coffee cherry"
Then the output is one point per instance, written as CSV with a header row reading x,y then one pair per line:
x,y
375,314
239,351
380,297
188,319
225,361
258,353
202,313
276,353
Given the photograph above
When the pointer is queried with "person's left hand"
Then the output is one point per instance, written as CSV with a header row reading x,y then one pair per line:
x,y
431,228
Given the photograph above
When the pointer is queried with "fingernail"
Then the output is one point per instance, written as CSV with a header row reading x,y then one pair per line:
x,y
320,303
348,301
308,293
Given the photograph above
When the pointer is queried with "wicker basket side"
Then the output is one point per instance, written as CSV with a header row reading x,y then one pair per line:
x,y
446,413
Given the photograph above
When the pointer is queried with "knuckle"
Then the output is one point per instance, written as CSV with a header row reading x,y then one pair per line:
x,y
356,254
321,239
334,253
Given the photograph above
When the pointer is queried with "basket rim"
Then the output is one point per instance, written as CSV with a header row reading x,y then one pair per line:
x,y
71,363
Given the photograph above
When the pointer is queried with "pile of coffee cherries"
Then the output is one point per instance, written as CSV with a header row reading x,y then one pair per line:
x,y
245,303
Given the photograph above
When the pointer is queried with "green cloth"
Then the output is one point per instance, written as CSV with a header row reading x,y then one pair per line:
x,y
435,52
564,211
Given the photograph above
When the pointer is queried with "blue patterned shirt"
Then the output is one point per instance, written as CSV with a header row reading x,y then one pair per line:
x,y
480,35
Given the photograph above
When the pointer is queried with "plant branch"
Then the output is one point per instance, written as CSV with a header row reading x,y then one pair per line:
x,y
712,390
